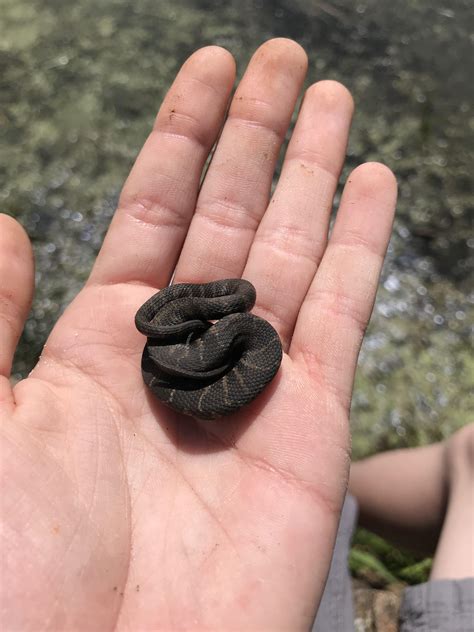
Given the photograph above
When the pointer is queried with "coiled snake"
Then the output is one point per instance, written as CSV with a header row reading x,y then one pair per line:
x,y
201,368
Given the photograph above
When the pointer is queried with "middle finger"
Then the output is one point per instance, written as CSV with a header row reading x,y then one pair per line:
x,y
236,189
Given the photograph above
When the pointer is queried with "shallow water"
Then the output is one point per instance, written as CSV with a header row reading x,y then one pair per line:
x,y
81,82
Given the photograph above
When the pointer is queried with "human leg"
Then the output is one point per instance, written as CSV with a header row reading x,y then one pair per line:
x,y
454,557
427,494
402,495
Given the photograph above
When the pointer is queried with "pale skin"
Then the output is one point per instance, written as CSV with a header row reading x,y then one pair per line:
x,y
423,499
116,513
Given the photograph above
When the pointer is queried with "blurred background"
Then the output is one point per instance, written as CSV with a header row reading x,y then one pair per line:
x,y
80,84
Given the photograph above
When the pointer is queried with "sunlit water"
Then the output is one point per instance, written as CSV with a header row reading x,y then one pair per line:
x,y
80,85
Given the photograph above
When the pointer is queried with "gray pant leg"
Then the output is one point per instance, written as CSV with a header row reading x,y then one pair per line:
x,y
443,605
336,611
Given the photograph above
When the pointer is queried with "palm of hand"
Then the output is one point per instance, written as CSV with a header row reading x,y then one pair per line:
x,y
116,512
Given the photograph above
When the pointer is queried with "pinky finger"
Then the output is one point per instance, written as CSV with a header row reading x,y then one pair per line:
x,y
16,291
337,307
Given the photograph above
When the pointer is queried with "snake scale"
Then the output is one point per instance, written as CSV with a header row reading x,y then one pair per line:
x,y
205,355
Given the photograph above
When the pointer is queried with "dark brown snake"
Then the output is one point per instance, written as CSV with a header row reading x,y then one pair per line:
x,y
201,368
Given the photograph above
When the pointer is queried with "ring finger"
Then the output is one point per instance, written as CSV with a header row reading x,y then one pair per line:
x,y
292,236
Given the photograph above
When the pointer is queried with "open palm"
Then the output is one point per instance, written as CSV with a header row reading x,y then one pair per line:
x,y
118,514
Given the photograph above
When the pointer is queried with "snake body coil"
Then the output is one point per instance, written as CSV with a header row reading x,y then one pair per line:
x,y
201,368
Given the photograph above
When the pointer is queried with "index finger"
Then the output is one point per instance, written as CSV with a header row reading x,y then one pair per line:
x,y
157,202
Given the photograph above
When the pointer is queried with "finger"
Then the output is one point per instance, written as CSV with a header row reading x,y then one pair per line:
x,y
158,199
292,236
16,289
336,310
235,192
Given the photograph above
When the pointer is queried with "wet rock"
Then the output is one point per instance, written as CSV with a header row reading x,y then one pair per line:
x,y
375,610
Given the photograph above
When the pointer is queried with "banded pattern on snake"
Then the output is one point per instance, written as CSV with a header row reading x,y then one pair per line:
x,y
205,355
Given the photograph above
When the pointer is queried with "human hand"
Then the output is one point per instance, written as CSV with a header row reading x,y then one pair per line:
x,y
117,513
